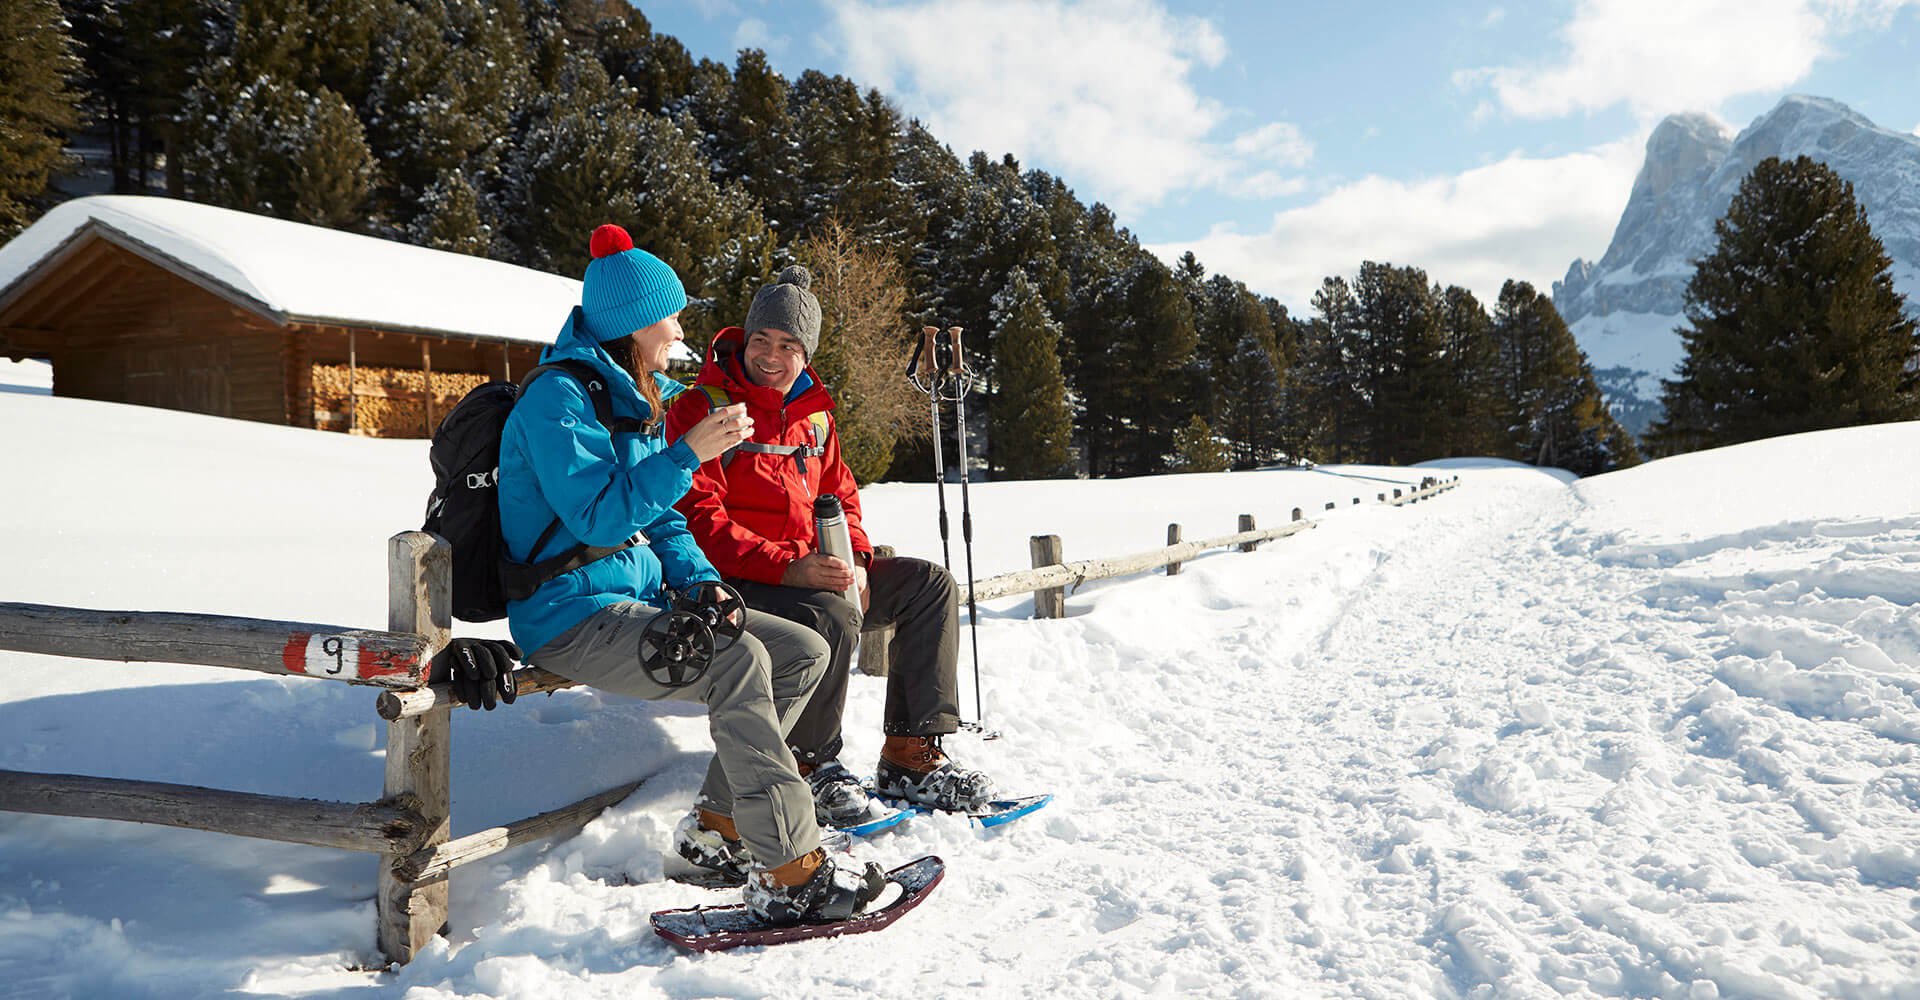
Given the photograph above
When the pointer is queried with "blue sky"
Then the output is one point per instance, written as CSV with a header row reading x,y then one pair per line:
x,y
1283,142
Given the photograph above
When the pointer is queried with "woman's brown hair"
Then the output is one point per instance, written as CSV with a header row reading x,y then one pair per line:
x,y
621,351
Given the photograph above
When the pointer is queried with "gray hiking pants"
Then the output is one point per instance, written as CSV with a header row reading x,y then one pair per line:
x,y
920,600
753,692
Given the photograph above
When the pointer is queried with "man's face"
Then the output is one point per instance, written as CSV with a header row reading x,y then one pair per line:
x,y
774,358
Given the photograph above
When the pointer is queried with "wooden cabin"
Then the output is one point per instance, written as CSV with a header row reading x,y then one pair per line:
x,y
166,303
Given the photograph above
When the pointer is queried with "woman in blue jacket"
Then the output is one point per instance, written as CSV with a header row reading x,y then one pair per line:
x,y
755,815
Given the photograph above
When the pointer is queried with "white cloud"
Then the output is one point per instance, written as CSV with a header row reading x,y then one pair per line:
x,y
1268,184
1099,91
752,33
1524,218
1278,142
1659,56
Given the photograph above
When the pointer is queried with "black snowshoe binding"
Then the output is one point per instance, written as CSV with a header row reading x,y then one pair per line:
x,y
840,800
833,893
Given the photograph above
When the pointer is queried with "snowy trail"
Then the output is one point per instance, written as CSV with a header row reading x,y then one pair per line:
x,y
1520,773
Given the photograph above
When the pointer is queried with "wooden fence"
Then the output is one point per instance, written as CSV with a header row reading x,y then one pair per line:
x,y
1051,576
409,825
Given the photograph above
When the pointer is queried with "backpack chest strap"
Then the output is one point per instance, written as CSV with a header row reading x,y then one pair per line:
x,y
819,426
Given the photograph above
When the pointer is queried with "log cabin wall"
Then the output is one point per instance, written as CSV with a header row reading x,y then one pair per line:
x,y
147,337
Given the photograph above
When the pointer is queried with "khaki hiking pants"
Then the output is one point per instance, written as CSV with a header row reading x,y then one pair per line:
x,y
753,692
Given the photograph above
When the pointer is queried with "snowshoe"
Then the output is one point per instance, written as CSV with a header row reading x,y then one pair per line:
x,y
714,928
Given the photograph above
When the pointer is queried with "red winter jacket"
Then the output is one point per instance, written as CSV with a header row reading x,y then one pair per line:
x,y
753,514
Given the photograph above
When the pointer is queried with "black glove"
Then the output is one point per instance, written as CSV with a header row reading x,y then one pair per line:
x,y
721,607
713,593
479,670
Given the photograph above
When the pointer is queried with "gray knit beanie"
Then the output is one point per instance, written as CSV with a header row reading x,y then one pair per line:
x,y
787,305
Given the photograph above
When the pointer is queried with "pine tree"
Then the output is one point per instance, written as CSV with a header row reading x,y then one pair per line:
x,y
38,107
1558,416
1468,396
451,217
1332,397
754,144
1251,392
1398,336
332,167
1145,330
273,148
1793,321
447,78
1196,450
1030,424
141,59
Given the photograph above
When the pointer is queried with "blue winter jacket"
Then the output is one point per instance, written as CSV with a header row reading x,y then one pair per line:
x,y
556,459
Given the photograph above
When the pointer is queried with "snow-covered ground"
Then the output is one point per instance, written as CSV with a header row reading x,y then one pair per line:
x,y
1648,734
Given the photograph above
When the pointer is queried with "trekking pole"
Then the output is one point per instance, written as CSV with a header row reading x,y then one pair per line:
x,y
935,383
951,379
966,511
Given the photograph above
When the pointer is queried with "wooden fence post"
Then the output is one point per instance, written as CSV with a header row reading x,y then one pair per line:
x,y
1330,505
419,596
1173,538
1297,515
873,645
1052,601
1246,524
1396,494
1383,498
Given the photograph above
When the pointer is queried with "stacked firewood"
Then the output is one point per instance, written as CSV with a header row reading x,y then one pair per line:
x,y
389,402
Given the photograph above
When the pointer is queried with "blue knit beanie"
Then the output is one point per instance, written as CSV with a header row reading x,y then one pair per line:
x,y
626,289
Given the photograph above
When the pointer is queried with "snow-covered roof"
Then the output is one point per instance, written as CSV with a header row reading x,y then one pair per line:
x,y
292,272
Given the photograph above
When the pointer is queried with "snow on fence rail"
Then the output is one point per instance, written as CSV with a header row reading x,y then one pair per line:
x,y
409,825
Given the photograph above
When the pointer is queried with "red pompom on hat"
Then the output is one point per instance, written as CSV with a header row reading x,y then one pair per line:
x,y
609,240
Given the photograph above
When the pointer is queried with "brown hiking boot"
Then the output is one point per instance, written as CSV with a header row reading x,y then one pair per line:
x,y
914,769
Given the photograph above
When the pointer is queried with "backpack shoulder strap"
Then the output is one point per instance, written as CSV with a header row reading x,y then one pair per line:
x,y
596,385
716,396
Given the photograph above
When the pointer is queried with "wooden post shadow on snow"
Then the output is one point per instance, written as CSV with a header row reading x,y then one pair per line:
x,y
408,826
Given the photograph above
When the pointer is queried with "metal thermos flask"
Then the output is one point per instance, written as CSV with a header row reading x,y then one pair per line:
x,y
830,531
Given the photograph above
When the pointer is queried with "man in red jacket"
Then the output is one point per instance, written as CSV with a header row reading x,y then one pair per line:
x,y
751,510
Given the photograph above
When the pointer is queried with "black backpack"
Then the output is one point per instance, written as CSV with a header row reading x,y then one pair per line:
x,y
464,507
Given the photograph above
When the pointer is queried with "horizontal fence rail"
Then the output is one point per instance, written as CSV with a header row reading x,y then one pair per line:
x,y
357,656
1074,574
376,827
1054,576
433,863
